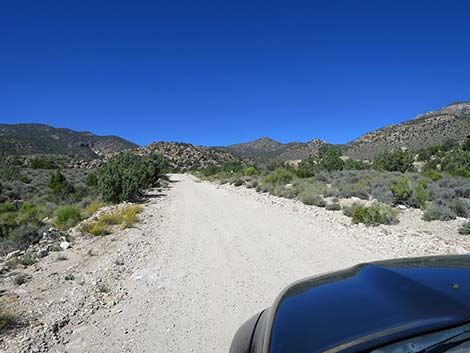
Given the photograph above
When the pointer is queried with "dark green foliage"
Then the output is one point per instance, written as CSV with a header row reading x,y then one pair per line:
x,y
233,167
307,168
395,161
91,179
330,159
42,163
59,185
12,173
457,163
126,176
466,145
19,280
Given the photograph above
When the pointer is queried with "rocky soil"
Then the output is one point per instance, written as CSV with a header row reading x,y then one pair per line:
x,y
202,260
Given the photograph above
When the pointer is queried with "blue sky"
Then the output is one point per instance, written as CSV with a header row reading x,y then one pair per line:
x,y
221,72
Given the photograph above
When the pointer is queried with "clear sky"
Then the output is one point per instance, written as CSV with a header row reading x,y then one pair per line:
x,y
221,72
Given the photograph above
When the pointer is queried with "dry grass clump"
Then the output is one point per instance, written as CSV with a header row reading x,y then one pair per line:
x,y
102,225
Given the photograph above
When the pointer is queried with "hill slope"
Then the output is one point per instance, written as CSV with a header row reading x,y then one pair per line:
x,y
185,156
429,129
31,139
267,148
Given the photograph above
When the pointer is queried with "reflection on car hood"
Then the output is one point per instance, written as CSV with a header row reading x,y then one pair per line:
x,y
371,304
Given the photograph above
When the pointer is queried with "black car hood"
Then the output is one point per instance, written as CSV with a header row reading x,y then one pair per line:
x,y
370,304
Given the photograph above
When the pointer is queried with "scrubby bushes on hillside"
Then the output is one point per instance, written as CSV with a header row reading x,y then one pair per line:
x,y
59,184
42,162
280,176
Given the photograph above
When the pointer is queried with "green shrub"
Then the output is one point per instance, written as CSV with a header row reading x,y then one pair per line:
x,y
126,176
457,163
42,163
373,215
27,260
432,174
281,176
67,217
19,280
395,161
438,211
330,159
250,171
401,191
333,206
307,168
356,165
6,320
461,207
91,179
238,182
348,190
422,193
465,228
59,184
310,198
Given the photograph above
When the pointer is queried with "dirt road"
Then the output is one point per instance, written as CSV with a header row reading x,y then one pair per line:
x,y
220,258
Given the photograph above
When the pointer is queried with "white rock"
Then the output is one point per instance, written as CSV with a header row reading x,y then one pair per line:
x,y
65,245
402,207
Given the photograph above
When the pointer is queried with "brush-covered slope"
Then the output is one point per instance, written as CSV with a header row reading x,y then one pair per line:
x,y
449,123
33,139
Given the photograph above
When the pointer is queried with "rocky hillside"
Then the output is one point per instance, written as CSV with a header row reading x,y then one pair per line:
x,y
425,130
265,147
32,139
184,156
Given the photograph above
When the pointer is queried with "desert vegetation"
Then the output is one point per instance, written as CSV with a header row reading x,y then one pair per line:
x,y
435,180
40,195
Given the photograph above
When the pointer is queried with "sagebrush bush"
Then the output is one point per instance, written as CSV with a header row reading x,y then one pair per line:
x,y
372,215
465,228
311,198
438,211
460,206
42,162
279,176
333,206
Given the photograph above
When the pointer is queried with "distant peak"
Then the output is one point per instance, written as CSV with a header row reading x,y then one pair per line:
x,y
266,139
